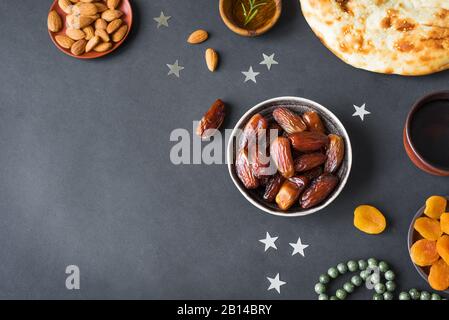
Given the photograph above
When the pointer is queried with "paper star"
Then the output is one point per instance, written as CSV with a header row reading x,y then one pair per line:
x,y
360,112
275,283
250,75
269,242
298,247
162,20
174,68
268,60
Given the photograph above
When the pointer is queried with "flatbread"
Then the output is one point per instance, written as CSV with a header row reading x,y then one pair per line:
x,y
406,37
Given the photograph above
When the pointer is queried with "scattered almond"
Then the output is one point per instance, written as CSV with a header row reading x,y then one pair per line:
x,y
198,36
211,59
78,47
114,25
64,41
54,21
120,33
102,47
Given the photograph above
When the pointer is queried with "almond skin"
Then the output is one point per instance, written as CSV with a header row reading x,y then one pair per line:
x,y
78,47
102,47
65,5
89,31
112,4
54,21
85,9
101,24
110,15
64,41
114,25
198,36
120,33
75,34
103,35
92,43
211,59
101,7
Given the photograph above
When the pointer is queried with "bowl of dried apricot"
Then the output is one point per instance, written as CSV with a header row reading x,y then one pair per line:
x,y
289,156
428,242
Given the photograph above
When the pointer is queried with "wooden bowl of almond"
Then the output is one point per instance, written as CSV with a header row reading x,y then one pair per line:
x,y
289,156
88,29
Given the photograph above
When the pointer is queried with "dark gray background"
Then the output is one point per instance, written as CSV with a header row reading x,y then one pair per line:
x,y
86,179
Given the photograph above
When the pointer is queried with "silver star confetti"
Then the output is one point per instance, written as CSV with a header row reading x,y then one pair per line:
x,y
162,20
268,60
174,68
269,242
298,247
250,75
360,111
276,283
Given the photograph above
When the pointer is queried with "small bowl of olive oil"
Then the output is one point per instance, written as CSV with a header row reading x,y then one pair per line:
x,y
250,18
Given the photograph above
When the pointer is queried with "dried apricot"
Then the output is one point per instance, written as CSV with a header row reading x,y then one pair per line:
x,y
439,275
369,219
443,248
424,252
428,228
435,206
444,222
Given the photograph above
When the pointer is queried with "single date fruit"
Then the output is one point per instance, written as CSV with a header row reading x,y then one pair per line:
x,y
290,121
308,141
335,153
211,120
290,191
273,186
309,161
244,172
313,121
282,156
319,190
256,125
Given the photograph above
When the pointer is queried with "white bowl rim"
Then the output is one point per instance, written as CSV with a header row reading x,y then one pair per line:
x,y
319,107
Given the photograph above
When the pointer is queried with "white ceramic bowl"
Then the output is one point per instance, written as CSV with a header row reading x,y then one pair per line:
x,y
299,105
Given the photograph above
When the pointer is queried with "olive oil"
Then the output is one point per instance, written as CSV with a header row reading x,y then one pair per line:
x,y
430,133
265,11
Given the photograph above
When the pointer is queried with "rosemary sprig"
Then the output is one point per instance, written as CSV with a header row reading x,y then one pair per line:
x,y
252,10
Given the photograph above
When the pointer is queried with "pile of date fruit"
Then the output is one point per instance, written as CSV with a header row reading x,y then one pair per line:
x,y
305,155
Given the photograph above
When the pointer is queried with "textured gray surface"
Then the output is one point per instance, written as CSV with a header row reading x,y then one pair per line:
x,y
85,176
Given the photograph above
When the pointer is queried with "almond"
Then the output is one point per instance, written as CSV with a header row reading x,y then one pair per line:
x,y
110,15
101,7
54,21
198,36
85,9
78,22
114,25
65,5
103,35
120,33
211,59
92,43
112,4
64,41
89,31
101,24
78,47
102,47
75,34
